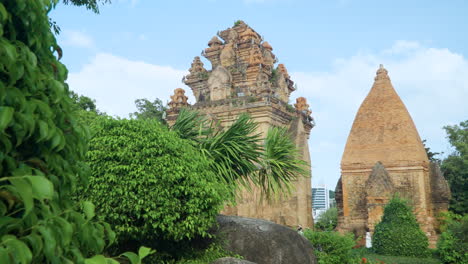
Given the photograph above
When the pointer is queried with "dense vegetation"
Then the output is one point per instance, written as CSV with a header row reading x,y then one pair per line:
x,y
399,233
453,242
455,167
156,185
328,220
331,247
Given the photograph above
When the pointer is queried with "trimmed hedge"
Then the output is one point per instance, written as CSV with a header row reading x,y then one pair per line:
x,y
398,233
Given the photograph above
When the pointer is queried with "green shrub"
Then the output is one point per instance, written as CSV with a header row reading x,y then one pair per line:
x,y
42,147
398,233
331,247
328,220
453,242
149,184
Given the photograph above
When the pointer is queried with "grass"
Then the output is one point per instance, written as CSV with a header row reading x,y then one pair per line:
x,y
372,258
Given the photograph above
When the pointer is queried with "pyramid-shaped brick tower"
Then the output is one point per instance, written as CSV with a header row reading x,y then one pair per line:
x,y
243,78
384,155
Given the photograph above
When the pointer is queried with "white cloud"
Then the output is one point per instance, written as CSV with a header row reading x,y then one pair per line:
x,y
78,39
433,84
117,82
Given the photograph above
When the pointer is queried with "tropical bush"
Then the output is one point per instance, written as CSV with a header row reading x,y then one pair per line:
x,y
452,245
328,220
331,247
150,184
398,233
41,149
241,157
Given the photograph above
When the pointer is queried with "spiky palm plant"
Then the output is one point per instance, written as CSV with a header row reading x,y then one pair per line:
x,y
241,157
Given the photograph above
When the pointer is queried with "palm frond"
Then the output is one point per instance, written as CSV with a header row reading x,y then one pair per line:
x,y
235,151
191,125
280,165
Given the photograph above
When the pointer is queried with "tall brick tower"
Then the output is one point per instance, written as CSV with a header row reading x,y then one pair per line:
x,y
243,79
384,155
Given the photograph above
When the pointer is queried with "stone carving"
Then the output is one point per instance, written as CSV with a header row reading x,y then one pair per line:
x,y
242,79
219,83
263,84
249,35
384,132
379,189
178,99
302,106
256,57
382,74
282,69
269,58
197,68
228,56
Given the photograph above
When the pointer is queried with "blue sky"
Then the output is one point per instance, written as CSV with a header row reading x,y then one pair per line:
x,y
141,49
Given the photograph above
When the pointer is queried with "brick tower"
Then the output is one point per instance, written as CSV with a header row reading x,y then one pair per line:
x,y
243,78
384,155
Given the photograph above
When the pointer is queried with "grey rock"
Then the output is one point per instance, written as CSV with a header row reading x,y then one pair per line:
x,y
231,261
263,242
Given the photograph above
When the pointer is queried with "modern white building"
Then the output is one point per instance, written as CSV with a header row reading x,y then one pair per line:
x,y
320,200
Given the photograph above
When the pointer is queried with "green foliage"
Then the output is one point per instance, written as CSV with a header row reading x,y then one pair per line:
x,y
241,156
399,233
274,75
238,22
367,256
83,102
455,167
431,155
279,163
149,110
331,247
89,4
452,245
328,220
290,108
149,184
42,148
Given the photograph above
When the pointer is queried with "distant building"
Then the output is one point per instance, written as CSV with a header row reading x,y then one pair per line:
x,y
320,201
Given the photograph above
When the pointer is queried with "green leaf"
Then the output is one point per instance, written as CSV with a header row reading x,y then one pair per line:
x,y
24,189
144,251
43,130
18,249
134,258
6,114
98,259
4,258
42,188
3,13
88,208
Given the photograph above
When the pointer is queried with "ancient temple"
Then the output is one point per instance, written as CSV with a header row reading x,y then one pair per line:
x,y
244,78
384,155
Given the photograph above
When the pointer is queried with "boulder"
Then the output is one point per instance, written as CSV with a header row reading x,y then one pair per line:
x,y
231,261
263,242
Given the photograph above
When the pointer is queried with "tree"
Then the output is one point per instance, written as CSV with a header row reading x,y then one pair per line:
x,y
83,102
431,155
241,156
398,233
42,148
149,110
328,220
455,167
452,245
89,4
